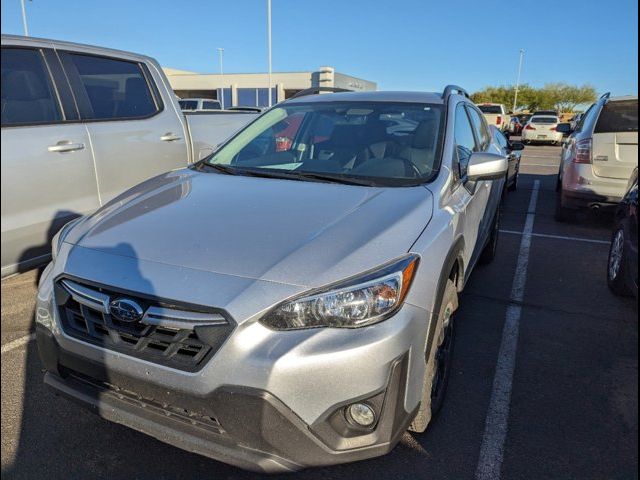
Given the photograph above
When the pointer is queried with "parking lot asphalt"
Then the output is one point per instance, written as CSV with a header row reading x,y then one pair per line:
x,y
572,404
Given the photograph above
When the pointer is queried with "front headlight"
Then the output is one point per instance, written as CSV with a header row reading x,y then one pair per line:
x,y
356,302
58,238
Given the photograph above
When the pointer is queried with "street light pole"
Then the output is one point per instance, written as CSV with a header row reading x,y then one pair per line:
x,y
220,54
269,46
24,19
515,98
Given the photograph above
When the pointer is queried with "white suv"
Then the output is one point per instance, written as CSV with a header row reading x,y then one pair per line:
x,y
599,156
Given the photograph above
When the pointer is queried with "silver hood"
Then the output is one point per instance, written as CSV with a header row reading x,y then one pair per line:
x,y
291,232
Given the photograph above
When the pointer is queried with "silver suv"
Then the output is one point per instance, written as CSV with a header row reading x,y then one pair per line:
x,y
599,156
281,305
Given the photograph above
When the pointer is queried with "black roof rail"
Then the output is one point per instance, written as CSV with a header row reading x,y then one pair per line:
x,y
605,95
317,90
449,89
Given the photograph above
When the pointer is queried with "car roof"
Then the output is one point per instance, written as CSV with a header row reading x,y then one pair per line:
x,y
21,40
372,96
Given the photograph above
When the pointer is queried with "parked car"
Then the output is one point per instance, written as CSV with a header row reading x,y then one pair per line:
x,y
515,126
524,118
622,267
575,120
495,114
546,113
542,129
598,157
199,104
281,309
511,150
80,125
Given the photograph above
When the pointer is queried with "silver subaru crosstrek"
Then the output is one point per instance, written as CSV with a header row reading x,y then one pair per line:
x,y
288,301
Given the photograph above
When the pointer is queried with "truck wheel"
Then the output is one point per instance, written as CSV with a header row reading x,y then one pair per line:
x,y
617,264
490,250
436,375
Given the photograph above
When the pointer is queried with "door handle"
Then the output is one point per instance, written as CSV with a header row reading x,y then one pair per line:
x,y
65,146
169,137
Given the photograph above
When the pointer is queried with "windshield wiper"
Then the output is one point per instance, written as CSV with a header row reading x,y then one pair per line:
x,y
226,169
337,178
290,175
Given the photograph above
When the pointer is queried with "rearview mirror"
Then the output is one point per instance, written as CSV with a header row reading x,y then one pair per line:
x,y
564,128
486,166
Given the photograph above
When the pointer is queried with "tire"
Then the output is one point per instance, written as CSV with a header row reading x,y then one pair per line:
x,y
562,214
514,186
438,365
617,264
490,250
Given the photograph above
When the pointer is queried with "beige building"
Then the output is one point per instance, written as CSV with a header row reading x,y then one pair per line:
x,y
251,89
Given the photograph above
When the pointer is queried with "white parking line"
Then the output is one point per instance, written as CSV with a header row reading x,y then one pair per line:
x,y
496,423
18,342
558,237
550,165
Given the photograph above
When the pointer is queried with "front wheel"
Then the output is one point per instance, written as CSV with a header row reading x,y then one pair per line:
x,y
617,264
514,186
489,253
438,363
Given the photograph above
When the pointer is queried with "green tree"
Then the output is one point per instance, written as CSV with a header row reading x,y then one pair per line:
x,y
559,96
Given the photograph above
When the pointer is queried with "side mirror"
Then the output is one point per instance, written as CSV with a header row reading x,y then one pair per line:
x,y
486,166
513,146
564,128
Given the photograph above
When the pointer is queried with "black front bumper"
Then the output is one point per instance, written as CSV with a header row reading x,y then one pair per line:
x,y
242,426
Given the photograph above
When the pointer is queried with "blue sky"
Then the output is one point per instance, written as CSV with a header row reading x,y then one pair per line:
x,y
401,44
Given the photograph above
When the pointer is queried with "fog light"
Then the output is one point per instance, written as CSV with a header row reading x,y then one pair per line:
x,y
361,414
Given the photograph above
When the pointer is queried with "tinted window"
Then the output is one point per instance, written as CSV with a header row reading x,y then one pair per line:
x,y
544,120
114,88
500,138
211,106
482,131
188,104
464,139
490,108
618,117
27,91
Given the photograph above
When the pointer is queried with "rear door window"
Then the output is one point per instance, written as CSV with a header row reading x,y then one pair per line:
x,y
618,117
211,106
28,95
112,88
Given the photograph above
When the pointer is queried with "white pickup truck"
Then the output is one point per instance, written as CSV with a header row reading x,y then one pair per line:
x,y
496,114
80,125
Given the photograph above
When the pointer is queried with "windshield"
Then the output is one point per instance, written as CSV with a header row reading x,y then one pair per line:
x,y
373,143
490,108
545,120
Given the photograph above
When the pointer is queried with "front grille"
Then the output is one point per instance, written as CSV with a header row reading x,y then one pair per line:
x,y
178,344
189,417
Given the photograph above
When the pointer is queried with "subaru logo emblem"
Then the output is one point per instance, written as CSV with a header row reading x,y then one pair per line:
x,y
126,310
